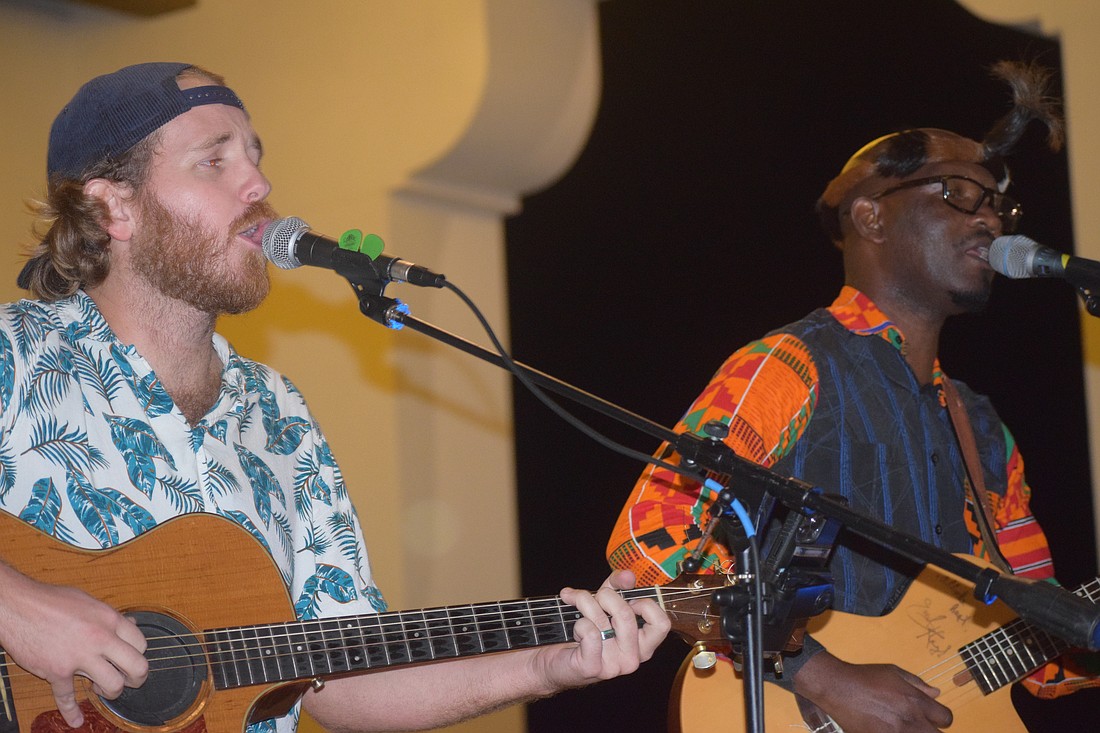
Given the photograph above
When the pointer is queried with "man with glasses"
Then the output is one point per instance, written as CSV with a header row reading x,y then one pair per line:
x,y
852,399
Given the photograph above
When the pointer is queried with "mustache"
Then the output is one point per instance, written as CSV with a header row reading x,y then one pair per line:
x,y
983,237
256,213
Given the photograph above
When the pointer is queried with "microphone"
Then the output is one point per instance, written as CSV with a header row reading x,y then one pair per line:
x,y
1016,256
289,243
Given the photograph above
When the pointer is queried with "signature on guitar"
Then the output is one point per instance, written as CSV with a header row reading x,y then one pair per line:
x,y
931,627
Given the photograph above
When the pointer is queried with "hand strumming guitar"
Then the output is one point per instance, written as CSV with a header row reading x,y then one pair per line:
x,y
871,698
56,632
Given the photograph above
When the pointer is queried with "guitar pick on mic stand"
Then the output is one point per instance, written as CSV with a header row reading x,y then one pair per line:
x,y
1073,619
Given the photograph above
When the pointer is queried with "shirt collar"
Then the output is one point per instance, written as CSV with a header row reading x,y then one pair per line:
x,y
859,314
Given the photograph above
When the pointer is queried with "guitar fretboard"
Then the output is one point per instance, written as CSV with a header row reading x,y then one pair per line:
x,y
1015,650
251,655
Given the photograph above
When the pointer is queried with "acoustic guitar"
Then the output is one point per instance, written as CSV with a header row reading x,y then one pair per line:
x,y
970,651
220,660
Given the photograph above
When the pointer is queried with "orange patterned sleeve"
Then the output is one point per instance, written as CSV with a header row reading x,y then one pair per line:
x,y
765,394
1025,548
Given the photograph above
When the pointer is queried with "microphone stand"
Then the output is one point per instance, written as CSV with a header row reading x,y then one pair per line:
x,y
1073,619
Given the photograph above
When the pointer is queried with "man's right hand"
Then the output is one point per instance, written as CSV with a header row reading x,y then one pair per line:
x,y
56,632
871,698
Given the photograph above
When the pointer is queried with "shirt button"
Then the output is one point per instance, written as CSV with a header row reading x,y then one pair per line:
x,y
939,529
935,458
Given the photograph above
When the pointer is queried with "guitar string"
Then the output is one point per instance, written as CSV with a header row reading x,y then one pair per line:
x,y
367,625
1002,647
480,612
366,645
998,667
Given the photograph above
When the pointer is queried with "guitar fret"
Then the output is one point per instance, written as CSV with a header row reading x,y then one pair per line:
x,y
975,660
300,653
393,638
225,659
442,638
374,646
329,651
1041,646
355,645
280,651
467,639
417,641
989,659
1049,646
490,627
345,645
548,631
214,654
518,624
569,617
263,659
240,657
1025,645
1007,660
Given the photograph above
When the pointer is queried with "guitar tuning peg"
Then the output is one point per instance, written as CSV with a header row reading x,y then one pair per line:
x,y
702,658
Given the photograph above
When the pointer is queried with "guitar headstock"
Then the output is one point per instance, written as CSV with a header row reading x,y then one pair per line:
x,y
689,602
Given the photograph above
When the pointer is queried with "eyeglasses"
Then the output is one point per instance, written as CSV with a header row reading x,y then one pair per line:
x,y
967,195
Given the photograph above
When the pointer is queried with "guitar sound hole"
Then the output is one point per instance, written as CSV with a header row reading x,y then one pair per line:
x,y
177,670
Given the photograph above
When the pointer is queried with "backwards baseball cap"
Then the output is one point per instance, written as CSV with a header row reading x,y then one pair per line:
x,y
901,154
114,112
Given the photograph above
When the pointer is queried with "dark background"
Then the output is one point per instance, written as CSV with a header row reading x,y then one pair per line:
x,y
686,228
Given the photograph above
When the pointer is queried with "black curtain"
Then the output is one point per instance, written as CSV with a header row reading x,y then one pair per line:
x,y
685,228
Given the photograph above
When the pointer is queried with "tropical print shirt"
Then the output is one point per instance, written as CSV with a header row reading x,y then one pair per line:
x,y
94,452
768,394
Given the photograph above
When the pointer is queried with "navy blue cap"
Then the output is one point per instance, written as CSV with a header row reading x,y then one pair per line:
x,y
114,112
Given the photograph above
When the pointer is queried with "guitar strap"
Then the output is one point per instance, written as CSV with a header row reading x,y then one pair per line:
x,y
975,477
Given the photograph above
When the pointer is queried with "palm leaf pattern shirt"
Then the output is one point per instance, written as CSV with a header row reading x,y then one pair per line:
x,y
94,452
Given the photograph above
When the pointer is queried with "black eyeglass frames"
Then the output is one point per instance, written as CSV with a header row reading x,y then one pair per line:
x,y
967,195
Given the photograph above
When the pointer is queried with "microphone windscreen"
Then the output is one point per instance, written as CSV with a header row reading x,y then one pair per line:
x,y
1013,256
279,240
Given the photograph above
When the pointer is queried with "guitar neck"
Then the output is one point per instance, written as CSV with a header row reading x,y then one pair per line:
x,y
1013,651
250,655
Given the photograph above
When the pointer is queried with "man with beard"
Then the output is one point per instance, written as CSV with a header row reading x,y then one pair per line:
x,y
121,408
852,399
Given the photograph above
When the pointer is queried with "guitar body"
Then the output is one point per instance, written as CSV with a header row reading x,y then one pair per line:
x,y
199,570
938,615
